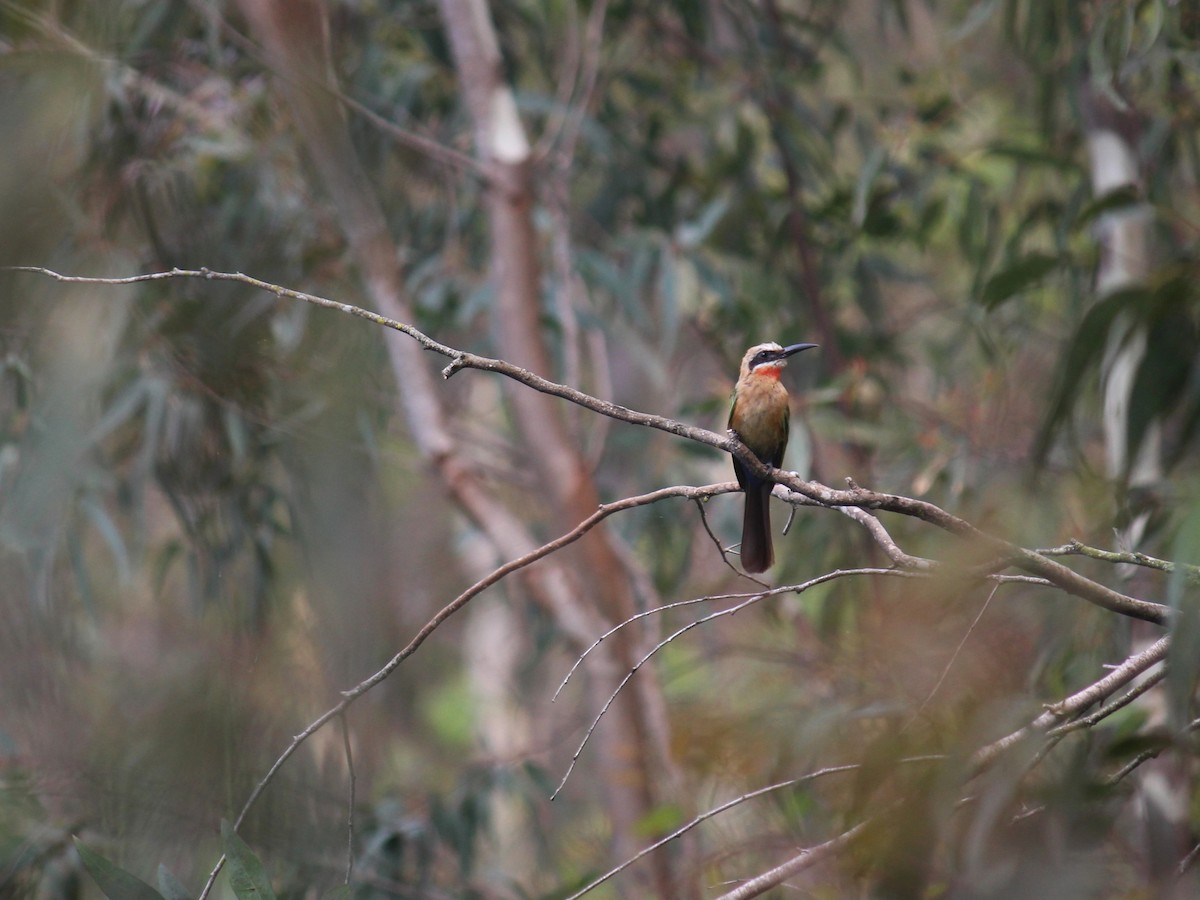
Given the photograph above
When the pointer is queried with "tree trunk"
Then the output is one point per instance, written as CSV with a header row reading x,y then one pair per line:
x,y
593,591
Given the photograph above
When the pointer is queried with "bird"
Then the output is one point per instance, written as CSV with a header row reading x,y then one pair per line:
x,y
758,416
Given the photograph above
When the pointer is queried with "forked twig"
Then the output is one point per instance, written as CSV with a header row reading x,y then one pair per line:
x,y
351,695
1134,666
732,610
637,617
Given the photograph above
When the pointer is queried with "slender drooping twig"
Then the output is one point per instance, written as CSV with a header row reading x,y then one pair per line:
x,y
695,623
950,663
354,693
350,800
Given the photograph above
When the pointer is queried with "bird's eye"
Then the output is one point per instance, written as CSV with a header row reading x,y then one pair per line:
x,y
761,357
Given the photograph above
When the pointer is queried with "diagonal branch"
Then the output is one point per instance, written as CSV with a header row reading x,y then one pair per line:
x,y
1077,702
715,811
718,614
1008,553
804,859
351,695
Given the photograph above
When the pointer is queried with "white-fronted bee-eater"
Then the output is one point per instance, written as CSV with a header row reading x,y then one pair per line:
x,y
759,416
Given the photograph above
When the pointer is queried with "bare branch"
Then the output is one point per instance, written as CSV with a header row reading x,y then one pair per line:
x,y
351,695
715,811
1077,702
1135,558
1109,708
798,863
1008,554
732,610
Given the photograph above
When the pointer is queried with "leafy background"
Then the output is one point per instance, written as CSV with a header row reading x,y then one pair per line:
x,y
213,517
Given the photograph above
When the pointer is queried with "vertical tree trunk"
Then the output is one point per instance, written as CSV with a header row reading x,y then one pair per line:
x,y
631,749
1124,237
632,752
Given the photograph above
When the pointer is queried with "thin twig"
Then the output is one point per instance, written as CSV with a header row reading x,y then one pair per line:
x,y
715,811
1109,708
1187,861
637,617
798,863
350,800
953,658
1123,674
732,610
1135,558
721,549
1144,756
587,736
349,696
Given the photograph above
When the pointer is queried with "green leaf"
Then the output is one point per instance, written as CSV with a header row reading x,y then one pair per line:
x,y
1117,199
659,821
1014,279
694,233
111,535
341,892
1161,378
1034,155
866,178
246,874
1086,347
114,882
668,288
170,886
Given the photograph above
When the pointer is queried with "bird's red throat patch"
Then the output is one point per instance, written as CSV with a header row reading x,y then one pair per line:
x,y
767,370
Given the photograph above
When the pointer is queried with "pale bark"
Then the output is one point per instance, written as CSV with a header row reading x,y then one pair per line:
x,y
632,759
633,756
1125,261
1124,238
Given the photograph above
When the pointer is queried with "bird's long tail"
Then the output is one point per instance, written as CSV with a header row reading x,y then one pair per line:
x,y
757,553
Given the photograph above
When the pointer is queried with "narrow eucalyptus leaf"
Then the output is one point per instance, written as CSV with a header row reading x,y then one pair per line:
x,y
247,876
114,882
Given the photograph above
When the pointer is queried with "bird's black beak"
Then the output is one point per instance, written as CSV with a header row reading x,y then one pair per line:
x,y
795,348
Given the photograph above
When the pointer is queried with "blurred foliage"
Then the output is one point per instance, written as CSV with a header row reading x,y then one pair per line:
x,y
211,521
